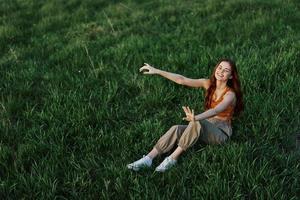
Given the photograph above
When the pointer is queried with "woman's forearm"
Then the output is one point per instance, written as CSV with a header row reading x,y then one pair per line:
x,y
227,101
207,114
177,78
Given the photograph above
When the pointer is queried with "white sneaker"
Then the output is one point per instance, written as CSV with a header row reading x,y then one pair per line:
x,y
166,164
141,163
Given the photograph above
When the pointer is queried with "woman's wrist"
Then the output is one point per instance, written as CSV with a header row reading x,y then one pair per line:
x,y
196,118
157,71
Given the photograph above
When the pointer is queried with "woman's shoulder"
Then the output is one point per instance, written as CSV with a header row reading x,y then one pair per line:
x,y
230,92
206,83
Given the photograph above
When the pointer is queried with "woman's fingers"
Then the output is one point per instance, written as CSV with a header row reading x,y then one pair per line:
x,y
185,110
145,67
148,69
187,119
145,70
142,68
186,113
188,108
193,115
190,114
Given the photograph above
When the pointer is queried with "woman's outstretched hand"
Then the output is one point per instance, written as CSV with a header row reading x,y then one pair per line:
x,y
148,69
189,114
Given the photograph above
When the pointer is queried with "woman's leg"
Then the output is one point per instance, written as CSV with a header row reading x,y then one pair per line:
x,y
153,153
203,130
178,151
168,140
187,139
164,144
211,133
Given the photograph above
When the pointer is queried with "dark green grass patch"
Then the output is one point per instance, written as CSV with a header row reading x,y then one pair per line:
x,y
74,109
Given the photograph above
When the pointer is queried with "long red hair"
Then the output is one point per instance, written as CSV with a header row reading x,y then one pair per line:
x,y
233,83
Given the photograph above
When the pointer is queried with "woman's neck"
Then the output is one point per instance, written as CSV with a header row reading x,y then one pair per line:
x,y
221,85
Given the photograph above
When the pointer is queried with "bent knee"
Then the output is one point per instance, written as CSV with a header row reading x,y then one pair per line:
x,y
174,127
195,124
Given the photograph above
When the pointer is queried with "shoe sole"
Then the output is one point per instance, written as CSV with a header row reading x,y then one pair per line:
x,y
137,168
133,168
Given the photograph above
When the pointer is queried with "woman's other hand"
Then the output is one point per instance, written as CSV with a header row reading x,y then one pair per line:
x,y
148,69
189,114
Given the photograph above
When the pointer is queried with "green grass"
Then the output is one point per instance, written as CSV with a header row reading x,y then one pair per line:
x,y
74,110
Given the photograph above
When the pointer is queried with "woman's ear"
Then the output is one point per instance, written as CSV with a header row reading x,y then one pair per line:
x,y
230,77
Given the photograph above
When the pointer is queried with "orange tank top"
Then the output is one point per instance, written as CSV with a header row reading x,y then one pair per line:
x,y
228,112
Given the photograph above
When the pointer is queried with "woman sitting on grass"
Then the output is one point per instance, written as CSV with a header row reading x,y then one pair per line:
x,y
223,99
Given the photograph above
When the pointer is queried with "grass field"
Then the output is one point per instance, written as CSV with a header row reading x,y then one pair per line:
x,y
74,109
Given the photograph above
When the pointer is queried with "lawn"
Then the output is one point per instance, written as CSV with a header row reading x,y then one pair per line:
x,y
74,108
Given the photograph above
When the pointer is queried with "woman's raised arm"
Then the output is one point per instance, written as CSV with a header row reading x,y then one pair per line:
x,y
177,78
203,83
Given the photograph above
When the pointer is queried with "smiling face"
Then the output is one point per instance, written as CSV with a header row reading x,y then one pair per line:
x,y
223,71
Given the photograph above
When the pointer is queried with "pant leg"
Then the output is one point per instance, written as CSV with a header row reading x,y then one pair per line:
x,y
187,135
190,135
211,134
170,138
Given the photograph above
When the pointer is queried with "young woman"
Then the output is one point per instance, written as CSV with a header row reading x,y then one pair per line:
x,y
223,99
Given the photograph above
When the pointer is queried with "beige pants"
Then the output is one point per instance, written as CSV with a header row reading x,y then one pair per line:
x,y
208,131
